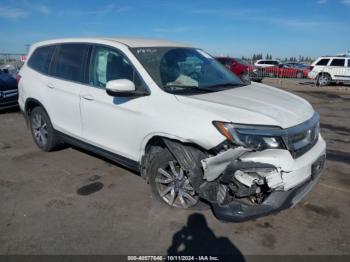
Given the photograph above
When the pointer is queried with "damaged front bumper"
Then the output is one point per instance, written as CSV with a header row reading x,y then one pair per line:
x,y
287,185
275,202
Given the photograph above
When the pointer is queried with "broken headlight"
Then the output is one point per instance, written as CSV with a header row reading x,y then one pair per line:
x,y
249,137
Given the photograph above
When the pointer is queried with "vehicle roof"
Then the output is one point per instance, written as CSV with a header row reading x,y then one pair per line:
x,y
334,56
128,41
268,60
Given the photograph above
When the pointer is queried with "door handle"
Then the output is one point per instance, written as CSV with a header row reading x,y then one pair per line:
x,y
88,97
50,86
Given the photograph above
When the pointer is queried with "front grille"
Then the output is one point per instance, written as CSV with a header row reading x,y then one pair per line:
x,y
303,137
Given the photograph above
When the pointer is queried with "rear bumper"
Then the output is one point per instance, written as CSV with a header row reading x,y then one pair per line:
x,y
275,202
312,75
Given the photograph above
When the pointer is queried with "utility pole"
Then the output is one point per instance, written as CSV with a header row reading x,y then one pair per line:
x,y
27,48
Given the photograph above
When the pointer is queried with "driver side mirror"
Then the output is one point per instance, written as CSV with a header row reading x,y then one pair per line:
x,y
120,87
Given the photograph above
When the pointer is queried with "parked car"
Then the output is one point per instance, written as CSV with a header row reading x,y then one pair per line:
x,y
267,63
242,68
297,65
8,90
284,70
194,134
328,69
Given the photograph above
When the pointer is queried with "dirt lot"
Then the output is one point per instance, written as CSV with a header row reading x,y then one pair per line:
x,y
45,210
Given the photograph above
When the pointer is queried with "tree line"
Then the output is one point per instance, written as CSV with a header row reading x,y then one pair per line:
x,y
255,57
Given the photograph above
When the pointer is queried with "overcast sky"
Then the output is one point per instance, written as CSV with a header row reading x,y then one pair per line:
x,y
281,28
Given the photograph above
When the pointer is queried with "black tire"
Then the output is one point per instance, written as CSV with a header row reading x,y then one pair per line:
x,y
43,133
300,75
161,160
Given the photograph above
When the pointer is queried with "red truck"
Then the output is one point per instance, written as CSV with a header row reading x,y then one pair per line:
x,y
242,68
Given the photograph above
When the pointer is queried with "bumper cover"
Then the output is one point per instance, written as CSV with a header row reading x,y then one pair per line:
x,y
275,202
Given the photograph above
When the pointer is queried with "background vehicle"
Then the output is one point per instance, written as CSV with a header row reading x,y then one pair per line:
x,y
297,65
328,69
193,129
242,68
267,62
8,91
285,70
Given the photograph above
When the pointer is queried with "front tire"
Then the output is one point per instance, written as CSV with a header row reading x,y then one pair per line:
x,y
169,182
42,131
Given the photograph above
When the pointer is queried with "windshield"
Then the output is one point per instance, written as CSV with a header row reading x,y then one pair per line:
x,y
185,69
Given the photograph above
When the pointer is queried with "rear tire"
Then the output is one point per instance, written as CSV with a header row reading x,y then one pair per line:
x,y
323,79
42,131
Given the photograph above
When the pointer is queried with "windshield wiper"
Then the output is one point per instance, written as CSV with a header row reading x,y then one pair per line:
x,y
226,85
183,87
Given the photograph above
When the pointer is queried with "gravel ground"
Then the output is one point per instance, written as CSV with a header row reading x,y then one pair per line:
x,y
45,208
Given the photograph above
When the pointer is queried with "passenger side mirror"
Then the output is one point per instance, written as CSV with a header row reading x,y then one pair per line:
x,y
120,87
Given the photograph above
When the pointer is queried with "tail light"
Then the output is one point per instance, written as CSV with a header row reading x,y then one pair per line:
x,y
18,78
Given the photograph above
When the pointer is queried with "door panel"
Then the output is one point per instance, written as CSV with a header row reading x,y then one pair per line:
x,y
64,86
112,122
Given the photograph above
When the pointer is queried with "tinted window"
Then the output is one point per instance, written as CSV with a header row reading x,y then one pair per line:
x,y
109,64
69,61
349,63
262,62
41,58
323,62
271,62
338,62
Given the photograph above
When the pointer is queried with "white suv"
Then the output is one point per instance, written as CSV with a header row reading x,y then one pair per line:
x,y
173,113
267,63
327,69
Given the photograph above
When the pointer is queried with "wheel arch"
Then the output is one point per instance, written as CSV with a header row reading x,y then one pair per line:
x,y
30,104
158,141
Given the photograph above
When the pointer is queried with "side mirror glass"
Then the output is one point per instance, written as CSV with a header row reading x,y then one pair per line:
x,y
120,87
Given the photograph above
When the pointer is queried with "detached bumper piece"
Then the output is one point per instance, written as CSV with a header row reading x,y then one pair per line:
x,y
275,202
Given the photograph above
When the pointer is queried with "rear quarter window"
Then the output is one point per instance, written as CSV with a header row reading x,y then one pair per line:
x,y
322,62
41,58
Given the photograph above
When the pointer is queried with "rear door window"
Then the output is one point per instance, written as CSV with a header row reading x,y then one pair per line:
x,y
323,62
338,62
69,62
41,58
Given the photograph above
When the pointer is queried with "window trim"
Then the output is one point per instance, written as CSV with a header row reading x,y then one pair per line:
x,y
144,86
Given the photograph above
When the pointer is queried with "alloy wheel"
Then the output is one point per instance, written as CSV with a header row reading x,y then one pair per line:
x,y
39,128
174,186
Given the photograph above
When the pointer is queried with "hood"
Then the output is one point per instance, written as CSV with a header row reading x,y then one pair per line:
x,y
255,104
